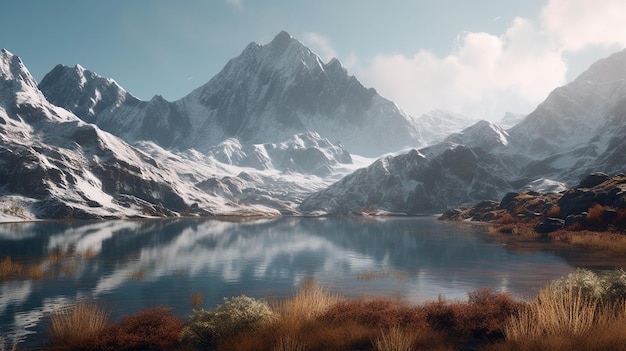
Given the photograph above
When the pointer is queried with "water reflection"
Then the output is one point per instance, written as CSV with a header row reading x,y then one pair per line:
x,y
133,265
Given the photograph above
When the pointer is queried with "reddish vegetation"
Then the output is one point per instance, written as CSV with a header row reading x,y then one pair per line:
x,y
153,329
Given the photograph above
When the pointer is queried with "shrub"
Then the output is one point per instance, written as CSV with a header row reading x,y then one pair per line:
x,y
75,327
554,211
507,218
241,313
153,329
608,287
377,313
594,214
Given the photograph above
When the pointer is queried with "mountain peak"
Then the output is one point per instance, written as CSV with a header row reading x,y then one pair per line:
x,y
609,69
12,68
282,38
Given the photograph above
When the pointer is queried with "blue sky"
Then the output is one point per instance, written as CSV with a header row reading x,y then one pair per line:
x,y
480,58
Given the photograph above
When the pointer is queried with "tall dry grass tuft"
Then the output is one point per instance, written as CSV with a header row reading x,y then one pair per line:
x,y
555,312
76,326
310,301
289,343
394,339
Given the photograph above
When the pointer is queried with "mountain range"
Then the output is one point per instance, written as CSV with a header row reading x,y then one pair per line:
x,y
278,131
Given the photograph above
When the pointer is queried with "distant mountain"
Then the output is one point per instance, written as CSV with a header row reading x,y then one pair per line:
x,y
510,119
436,125
421,182
266,94
579,129
305,153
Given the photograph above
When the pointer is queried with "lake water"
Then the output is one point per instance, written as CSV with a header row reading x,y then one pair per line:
x,y
133,265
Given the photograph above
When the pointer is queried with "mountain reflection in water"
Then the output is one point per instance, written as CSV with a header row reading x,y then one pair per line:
x,y
133,265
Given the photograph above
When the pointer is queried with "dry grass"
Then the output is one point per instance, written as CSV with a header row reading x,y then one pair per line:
x,y
554,313
310,301
607,333
394,339
507,218
76,327
611,243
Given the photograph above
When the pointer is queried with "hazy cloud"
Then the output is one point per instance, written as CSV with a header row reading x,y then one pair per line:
x,y
487,75
576,24
320,45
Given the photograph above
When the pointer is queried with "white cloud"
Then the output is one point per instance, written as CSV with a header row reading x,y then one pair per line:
x,y
320,45
488,75
576,24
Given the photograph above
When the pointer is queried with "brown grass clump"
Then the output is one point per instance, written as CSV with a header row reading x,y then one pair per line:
x,y
309,302
554,211
152,329
611,243
75,327
594,215
394,339
507,218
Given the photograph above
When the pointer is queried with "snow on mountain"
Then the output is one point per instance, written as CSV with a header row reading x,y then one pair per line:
x,y
268,93
102,101
306,153
436,125
579,129
54,165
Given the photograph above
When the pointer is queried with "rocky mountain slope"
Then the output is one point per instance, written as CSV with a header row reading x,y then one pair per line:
x,y
267,94
55,165
580,128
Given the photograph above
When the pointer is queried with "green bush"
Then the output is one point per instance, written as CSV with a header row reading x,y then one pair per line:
x,y
609,286
238,314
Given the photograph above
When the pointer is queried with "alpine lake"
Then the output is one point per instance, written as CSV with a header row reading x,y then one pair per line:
x,y
131,265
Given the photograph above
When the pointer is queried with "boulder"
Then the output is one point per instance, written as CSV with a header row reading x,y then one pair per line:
x,y
550,225
594,179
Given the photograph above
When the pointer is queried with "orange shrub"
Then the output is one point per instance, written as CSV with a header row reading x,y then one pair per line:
x,y
594,215
554,211
506,219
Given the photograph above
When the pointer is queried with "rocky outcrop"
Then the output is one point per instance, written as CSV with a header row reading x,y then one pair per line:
x,y
597,202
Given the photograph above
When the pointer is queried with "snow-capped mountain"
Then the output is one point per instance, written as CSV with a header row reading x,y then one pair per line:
x,y
267,94
424,181
305,153
55,165
580,128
